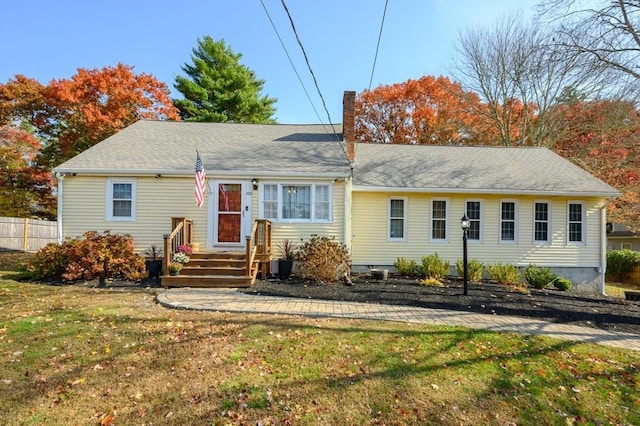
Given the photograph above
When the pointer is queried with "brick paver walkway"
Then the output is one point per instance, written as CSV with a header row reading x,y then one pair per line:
x,y
231,300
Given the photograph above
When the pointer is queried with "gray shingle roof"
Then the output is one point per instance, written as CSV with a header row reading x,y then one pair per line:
x,y
170,147
150,147
480,169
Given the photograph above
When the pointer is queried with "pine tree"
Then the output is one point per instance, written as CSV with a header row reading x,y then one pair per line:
x,y
220,89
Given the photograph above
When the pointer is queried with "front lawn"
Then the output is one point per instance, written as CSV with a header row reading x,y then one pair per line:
x,y
82,355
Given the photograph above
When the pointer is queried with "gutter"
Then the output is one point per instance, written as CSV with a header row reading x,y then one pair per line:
x,y
441,190
210,173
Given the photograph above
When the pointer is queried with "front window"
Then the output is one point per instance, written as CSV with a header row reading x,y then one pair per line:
x,y
121,199
296,202
397,218
541,217
576,223
270,201
474,209
508,216
438,220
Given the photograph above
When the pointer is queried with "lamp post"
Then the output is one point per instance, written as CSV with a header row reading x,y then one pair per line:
x,y
465,224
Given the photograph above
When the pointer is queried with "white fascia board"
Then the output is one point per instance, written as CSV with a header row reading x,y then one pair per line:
x,y
364,188
210,173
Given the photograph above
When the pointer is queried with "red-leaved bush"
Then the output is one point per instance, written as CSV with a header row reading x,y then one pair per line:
x,y
92,256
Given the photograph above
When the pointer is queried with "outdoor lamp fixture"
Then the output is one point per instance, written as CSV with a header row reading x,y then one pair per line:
x,y
465,223
254,182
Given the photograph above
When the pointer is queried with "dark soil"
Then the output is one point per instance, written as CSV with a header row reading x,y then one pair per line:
x,y
549,304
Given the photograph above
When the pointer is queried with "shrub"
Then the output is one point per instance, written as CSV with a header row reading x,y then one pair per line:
x,y
433,266
431,282
405,267
504,274
538,277
620,263
475,269
323,259
92,256
562,284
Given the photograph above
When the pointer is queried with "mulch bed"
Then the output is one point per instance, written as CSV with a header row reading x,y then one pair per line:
x,y
489,298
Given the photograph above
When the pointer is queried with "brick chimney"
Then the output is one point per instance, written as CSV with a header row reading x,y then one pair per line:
x,y
348,123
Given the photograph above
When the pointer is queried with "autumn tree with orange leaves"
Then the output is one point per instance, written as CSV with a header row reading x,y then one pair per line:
x,y
603,137
68,116
429,110
25,188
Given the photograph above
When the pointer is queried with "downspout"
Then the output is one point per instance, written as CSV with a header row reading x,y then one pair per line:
x,y
603,248
347,209
60,178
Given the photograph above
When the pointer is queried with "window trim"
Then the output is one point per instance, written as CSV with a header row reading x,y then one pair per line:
x,y
446,220
515,221
583,221
548,222
109,199
479,220
405,209
280,198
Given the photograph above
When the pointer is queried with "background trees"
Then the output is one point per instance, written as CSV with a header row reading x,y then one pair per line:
x,y
43,126
523,78
607,32
25,188
220,89
424,111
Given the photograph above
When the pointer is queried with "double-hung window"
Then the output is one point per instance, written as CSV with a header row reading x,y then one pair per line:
x,y
576,223
541,221
439,215
508,221
474,211
121,199
397,219
291,202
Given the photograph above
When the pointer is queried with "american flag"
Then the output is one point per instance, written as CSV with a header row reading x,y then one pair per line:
x,y
201,181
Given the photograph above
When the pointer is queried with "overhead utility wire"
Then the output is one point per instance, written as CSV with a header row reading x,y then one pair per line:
x,y
312,74
375,59
291,62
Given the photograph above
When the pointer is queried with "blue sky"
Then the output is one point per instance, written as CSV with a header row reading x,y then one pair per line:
x,y
51,39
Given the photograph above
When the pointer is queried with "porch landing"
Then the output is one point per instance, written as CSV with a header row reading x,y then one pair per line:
x,y
220,269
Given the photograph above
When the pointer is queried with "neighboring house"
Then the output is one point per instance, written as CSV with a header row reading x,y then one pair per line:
x,y
620,237
526,205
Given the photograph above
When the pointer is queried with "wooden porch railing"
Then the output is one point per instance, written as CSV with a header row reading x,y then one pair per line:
x,y
182,234
258,244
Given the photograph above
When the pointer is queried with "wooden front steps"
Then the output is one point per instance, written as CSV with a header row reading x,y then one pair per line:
x,y
222,269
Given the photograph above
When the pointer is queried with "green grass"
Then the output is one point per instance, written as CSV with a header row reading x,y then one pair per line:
x,y
77,355
618,289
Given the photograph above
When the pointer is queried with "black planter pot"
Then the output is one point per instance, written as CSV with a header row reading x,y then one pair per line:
x,y
154,267
284,268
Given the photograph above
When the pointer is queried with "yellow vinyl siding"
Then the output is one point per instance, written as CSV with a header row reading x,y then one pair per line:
x,y
157,201
372,247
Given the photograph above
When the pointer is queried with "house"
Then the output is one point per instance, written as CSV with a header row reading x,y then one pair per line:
x,y
620,237
526,205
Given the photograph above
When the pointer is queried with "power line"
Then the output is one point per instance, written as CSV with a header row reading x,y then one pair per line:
x,y
315,81
375,59
291,62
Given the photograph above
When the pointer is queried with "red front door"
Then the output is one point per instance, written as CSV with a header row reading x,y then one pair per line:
x,y
229,213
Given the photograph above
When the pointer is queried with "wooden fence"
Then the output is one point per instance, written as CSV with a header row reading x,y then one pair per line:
x,y
26,234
